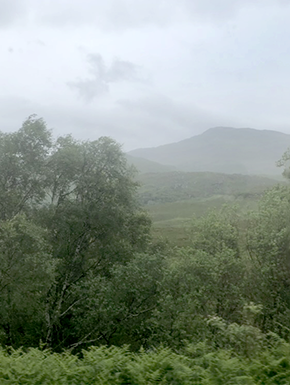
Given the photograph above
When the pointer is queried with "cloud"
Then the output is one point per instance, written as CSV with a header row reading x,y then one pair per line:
x,y
124,14
122,70
102,76
214,63
159,119
11,11
173,115
15,110
145,121
89,89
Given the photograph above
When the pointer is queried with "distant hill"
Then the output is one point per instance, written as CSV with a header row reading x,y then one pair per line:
x,y
223,149
181,186
147,166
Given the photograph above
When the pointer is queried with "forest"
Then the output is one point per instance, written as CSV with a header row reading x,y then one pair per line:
x,y
89,295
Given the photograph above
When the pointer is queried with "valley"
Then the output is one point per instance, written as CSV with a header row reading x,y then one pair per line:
x,y
181,180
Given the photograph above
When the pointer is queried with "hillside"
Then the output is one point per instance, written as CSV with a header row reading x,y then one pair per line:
x,y
173,198
224,150
147,166
178,186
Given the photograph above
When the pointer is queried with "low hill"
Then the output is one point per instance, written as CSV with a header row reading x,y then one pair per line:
x,y
179,186
224,150
173,198
147,166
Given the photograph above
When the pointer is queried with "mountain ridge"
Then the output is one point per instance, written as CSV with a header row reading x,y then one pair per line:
x,y
222,149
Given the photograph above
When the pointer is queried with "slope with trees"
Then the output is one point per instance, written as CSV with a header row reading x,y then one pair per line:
x,y
68,216
79,270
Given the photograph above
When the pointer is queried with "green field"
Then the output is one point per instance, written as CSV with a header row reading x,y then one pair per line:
x,y
174,198
172,221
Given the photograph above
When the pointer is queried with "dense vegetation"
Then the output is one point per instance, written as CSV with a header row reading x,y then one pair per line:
x,y
172,198
196,365
79,270
167,187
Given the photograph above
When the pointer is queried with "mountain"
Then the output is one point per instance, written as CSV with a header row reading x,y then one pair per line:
x,y
147,166
223,149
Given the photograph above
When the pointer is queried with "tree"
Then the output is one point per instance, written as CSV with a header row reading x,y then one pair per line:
x,y
268,244
23,157
197,285
26,273
217,231
118,309
93,217
82,197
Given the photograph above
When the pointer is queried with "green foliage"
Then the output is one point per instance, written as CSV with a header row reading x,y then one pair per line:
x,y
196,286
168,187
78,269
172,198
197,365
284,162
23,157
118,308
26,273
217,231
268,238
69,214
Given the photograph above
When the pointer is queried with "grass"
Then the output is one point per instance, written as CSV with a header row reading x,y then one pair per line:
x,y
173,198
172,221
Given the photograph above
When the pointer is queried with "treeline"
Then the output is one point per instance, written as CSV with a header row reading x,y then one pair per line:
x,y
78,268
165,187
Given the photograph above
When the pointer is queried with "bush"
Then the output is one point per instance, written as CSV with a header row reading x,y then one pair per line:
x,y
199,364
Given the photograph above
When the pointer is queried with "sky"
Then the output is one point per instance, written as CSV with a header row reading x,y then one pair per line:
x,y
145,72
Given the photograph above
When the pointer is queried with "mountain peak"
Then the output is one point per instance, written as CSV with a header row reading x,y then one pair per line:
x,y
219,128
223,149
227,130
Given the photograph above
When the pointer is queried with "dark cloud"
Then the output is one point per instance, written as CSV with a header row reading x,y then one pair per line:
x,y
102,76
89,89
122,70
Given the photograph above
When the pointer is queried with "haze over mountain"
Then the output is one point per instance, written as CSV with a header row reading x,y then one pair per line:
x,y
145,166
223,149
145,72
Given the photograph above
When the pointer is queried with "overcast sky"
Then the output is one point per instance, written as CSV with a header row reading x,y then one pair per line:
x,y
145,72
